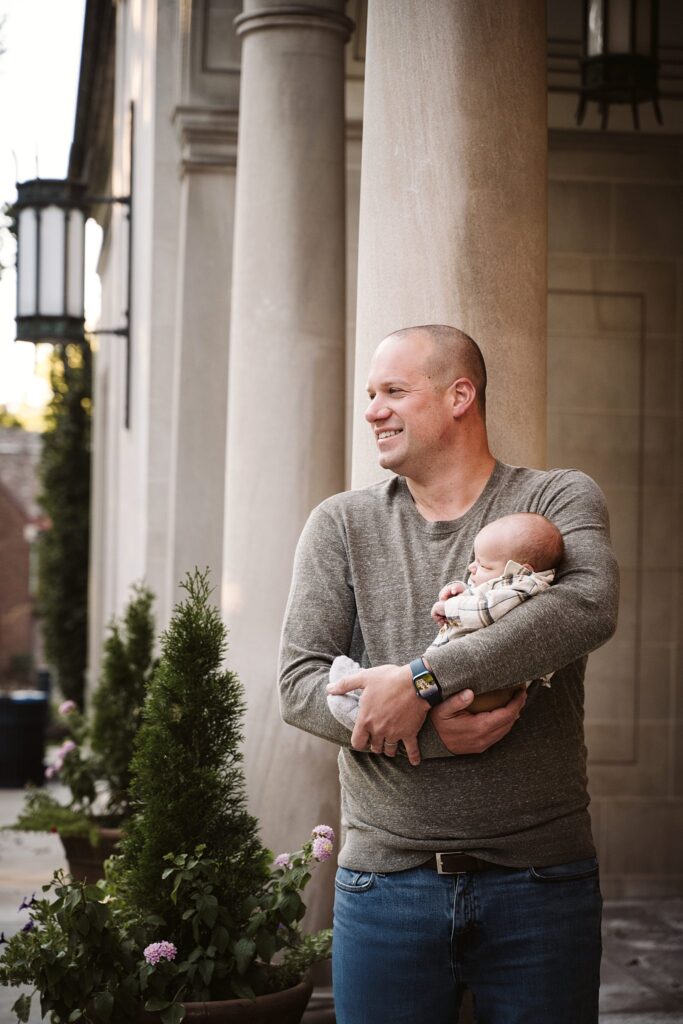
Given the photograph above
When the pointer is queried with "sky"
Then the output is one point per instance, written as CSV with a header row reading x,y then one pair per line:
x,y
38,84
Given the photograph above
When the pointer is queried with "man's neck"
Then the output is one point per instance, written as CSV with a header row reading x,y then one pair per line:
x,y
450,494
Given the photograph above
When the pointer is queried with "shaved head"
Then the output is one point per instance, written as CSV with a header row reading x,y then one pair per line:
x,y
452,354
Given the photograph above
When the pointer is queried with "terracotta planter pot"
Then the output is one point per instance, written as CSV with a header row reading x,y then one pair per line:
x,y
86,862
278,1008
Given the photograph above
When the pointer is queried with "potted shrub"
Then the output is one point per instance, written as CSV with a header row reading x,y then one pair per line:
x,y
195,920
94,760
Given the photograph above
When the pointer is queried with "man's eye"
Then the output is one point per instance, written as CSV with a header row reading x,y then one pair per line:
x,y
395,391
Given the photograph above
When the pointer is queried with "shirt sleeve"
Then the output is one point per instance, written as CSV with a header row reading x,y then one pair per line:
x,y
562,624
320,623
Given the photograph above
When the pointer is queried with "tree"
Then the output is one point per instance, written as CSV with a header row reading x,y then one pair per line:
x,y
188,781
127,667
64,473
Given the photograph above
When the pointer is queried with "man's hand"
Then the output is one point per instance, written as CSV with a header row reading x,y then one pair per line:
x,y
390,710
463,733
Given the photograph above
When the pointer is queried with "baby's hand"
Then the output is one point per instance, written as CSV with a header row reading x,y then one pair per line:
x,y
439,612
451,590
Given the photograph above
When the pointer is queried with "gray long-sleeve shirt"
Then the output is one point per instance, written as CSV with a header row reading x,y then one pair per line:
x,y
524,801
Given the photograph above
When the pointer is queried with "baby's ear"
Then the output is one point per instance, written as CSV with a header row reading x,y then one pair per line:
x,y
525,565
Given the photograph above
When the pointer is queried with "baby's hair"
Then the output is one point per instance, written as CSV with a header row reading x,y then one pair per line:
x,y
535,540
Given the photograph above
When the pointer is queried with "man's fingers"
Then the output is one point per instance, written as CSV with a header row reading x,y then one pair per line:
x,y
457,703
412,750
360,738
354,682
390,748
515,705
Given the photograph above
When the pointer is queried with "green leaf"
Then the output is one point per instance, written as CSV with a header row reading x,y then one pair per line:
x,y
22,1008
244,954
174,1014
206,970
75,1015
104,1004
241,989
156,1003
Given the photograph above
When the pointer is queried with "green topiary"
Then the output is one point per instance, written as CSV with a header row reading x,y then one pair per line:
x,y
187,773
65,497
127,666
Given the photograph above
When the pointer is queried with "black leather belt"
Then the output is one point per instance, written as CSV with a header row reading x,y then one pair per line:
x,y
458,863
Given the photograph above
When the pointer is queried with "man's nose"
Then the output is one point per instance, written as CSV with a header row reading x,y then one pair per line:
x,y
376,411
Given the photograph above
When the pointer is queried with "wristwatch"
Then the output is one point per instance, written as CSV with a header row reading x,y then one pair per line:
x,y
425,682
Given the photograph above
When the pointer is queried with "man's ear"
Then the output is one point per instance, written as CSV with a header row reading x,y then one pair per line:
x,y
464,395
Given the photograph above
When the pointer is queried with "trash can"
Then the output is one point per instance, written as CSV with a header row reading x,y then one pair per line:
x,y
23,715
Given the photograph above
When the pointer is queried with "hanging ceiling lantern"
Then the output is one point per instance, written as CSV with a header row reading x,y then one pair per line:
x,y
619,62
50,216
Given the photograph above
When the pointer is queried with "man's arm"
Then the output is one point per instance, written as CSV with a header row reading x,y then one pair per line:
x,y
571,618
320,623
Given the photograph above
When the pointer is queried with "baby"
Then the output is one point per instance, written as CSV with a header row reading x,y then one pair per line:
x,y
514,558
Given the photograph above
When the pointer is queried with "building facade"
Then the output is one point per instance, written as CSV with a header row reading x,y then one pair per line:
x,y
306,178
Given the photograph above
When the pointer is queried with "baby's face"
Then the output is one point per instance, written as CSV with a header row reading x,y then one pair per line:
x,y
490,558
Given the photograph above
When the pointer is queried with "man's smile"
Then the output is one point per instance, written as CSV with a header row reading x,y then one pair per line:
x,y
382,435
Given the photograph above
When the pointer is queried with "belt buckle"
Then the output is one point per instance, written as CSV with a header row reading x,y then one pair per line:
x,y
439,862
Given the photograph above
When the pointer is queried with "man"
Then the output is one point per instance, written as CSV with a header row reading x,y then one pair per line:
x,y
456,870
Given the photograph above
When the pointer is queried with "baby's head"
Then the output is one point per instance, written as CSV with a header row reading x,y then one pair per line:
x,y
524,537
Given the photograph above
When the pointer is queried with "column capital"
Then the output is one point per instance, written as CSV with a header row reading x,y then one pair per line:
x,y
207,137
294,16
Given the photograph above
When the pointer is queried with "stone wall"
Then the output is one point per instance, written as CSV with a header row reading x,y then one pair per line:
x,y
614,410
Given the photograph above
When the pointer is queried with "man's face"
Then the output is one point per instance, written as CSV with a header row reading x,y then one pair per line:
x,y
410,417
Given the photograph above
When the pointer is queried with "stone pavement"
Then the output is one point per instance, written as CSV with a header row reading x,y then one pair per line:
x,y
642,973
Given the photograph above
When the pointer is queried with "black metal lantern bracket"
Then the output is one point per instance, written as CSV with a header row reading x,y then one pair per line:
x,y
122,332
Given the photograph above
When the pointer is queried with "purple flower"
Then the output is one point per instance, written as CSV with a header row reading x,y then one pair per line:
x,y
26,902
29,926
324,832
283,860
322,848
3,940
157,951
66,748
67,706
54,768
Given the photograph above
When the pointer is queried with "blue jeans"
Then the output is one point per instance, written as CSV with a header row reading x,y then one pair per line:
x,y
525,942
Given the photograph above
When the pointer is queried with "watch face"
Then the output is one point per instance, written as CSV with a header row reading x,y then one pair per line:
x,y
424,682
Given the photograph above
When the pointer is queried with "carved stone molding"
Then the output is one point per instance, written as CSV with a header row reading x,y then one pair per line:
x,y
207,138
294,16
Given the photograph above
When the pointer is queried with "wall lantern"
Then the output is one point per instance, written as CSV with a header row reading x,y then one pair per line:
x,y
50,217
619,62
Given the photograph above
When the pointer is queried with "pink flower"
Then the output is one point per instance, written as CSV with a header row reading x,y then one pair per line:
x,y
66,748
324,832
50,771
157,951
322,848
283,860
67,706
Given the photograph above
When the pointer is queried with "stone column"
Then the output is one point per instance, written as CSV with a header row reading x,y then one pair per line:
x,y
208,139
286,387
453,199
